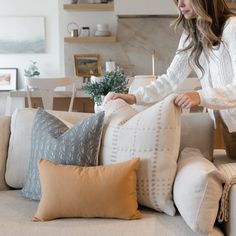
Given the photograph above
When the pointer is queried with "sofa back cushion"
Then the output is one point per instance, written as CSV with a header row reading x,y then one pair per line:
x,y
19,151
154,136
197,131
4,139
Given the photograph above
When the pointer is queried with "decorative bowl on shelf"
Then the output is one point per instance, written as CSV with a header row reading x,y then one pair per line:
x,y
102,33
102,30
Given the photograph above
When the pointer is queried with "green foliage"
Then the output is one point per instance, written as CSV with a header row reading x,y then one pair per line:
x,y
114,81
32,70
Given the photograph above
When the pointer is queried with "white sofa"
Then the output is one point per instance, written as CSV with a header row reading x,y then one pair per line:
x,y
16,212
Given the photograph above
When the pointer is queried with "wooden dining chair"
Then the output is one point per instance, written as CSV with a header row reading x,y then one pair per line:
x,y
46,87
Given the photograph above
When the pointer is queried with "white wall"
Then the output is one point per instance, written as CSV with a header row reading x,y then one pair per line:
x,y
49,63
147,7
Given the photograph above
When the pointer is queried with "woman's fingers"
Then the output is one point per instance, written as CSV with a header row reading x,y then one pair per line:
x,y
118,95
187,100
181,100
129,98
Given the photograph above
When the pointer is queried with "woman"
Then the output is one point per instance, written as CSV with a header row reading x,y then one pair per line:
x,y
208,47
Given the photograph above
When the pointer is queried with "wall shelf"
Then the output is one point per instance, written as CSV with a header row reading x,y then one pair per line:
x,y
91,39
90,6
231,5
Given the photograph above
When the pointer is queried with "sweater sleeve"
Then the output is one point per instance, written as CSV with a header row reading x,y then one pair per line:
x,y
165,84
223,97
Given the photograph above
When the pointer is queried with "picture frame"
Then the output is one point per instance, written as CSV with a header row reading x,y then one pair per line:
x,y
87,65
22,34
8,79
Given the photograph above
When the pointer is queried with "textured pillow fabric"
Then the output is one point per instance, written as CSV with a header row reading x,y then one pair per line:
x,y
19,152
154,136
197,190
4,139
53,140
101,191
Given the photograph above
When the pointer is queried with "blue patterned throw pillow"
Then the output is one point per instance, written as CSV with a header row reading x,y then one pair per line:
x,y
54,141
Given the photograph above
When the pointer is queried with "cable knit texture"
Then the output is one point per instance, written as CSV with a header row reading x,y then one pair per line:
x,y
218,83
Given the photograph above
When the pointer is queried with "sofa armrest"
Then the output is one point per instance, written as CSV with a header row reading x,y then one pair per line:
x,y
228,168
4,140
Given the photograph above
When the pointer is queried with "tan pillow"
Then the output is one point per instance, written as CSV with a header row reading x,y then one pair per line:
x,y
101,191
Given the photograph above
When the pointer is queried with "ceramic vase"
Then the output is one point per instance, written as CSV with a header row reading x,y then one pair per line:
x,y
98,108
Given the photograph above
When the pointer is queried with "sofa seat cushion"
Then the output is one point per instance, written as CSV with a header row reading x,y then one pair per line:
x,y
16,213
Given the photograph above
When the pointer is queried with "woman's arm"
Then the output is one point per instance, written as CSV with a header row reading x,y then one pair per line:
x,y
224,96
165,84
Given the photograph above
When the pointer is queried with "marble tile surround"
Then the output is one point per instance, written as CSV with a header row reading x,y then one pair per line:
x,y
136,38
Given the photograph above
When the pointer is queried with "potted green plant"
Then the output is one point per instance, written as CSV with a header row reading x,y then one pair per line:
x,y
32,70
114,81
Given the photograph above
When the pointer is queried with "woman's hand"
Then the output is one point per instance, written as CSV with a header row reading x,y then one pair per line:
x,y
129,98
187,100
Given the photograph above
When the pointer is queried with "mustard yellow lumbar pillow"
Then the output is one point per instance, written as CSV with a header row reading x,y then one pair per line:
x,y
101,191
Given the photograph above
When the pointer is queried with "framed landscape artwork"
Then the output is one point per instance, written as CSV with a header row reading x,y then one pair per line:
x,y
22,34
8,78
87,65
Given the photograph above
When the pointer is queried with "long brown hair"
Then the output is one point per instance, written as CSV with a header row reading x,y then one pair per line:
x,y
206,29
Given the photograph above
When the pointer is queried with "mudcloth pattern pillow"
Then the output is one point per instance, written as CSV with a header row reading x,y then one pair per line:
x,y
54,141
154,136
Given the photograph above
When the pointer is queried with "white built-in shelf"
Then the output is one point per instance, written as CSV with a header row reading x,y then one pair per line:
x,y
90,6
90,39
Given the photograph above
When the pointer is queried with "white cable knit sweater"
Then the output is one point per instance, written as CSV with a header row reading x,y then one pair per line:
x,y
218,83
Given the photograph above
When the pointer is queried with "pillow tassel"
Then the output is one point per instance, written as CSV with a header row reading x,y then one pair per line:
x,y
223,214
